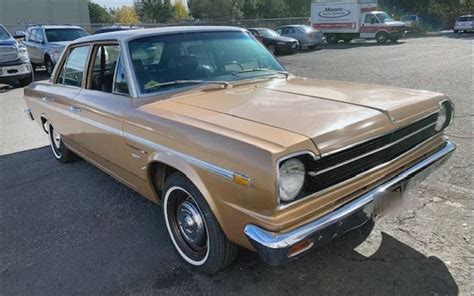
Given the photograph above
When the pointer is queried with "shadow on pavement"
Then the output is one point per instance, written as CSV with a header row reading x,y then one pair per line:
x,y
357,43
71,229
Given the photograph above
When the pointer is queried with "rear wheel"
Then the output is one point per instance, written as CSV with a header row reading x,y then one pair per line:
x,y
381,37
48,65
332,39
347,40
60,151
193,228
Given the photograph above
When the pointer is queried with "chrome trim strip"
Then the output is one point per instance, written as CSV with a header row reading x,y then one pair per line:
x,y
225,173
228,174
314,174
324,191
275,241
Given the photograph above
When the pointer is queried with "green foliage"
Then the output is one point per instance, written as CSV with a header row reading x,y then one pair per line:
x,y
235,9
151,11
437,14
98,14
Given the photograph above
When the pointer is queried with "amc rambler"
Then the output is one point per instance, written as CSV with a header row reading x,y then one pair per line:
x,y
238,152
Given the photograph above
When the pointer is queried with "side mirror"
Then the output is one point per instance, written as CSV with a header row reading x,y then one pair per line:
x,y
19,35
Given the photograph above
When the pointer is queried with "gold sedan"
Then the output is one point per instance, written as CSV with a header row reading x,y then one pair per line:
x,y
238,152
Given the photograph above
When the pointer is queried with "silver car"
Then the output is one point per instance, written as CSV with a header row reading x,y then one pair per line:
x,y
45,44
307,36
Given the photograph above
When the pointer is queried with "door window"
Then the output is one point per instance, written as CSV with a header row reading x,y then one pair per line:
x,y
39,36
32,35
121,84
105,62
371,19
73,70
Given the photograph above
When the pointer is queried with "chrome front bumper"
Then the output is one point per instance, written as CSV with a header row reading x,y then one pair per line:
x,y
274,248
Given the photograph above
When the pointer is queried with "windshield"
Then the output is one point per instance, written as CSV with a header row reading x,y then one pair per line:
x,y
268,33
4,34
466,18
409,18
384,17
58,35
179,60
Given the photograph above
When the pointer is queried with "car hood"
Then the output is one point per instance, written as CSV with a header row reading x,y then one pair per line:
x,y
333,114
8,41
283,38
396,24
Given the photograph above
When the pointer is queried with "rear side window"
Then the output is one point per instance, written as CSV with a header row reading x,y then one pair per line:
x,y
105,63
121,85
73,70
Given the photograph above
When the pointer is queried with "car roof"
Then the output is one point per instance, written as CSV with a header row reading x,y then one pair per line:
x,y
133,34
55,27
467,15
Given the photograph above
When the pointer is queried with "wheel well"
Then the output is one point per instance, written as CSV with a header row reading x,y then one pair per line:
x,y
43,122
158,173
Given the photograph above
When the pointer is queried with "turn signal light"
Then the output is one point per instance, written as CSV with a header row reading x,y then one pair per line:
x,y
300,248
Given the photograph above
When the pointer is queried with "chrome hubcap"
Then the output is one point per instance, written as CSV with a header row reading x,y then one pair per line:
x,y
191,224
57,139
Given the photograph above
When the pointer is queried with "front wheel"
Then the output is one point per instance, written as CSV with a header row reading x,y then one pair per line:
x,y
193,228
332,39
381,37
60,151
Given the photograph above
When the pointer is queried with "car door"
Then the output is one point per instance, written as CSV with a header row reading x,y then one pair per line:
x,y
31,45
370,26
40,44
59,95
100,106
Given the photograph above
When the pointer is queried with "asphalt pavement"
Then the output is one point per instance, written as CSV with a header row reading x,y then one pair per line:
x,y
72,229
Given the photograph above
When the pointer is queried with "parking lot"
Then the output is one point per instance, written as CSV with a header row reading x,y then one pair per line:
x,y
72,229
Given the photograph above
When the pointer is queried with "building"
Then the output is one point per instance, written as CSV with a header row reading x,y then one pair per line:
x,y
16,14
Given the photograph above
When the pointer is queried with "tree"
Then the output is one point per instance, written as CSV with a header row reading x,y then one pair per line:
x,y
216,9
179,11
126,15
151,11
98,14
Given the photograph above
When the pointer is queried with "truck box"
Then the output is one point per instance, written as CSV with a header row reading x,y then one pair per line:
x,y
340,16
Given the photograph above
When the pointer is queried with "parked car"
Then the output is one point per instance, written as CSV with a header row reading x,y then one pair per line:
x,y
464,23
274,42
15,68
114,29
46,43
307,36
238,152
411,22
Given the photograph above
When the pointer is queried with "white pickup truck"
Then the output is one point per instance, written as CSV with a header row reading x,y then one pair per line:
x,y
350,19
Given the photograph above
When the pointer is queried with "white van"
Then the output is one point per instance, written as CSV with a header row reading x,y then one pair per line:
x,y
464,23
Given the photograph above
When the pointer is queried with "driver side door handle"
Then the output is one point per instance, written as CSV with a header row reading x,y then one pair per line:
x,y
75,109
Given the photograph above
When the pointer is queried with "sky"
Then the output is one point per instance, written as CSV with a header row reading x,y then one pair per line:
x,y
113,3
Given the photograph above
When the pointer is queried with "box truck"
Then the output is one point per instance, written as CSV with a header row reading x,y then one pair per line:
x,y
350,19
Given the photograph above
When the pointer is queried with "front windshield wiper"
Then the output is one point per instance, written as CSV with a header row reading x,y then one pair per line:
x,y
225,84
261,70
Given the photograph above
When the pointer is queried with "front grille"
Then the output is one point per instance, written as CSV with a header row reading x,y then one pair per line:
x,y
8,54
333,169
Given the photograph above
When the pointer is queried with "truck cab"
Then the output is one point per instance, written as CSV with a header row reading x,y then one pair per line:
x,y
15,68
380,26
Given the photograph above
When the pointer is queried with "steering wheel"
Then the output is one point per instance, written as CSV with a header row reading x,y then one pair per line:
x,y
234,63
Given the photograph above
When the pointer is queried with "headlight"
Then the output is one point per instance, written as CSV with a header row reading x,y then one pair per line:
x,y
445,116
291,179
22,52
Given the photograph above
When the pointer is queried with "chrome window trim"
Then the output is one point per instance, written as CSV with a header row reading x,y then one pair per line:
x,y
314,174
324,191
447,100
